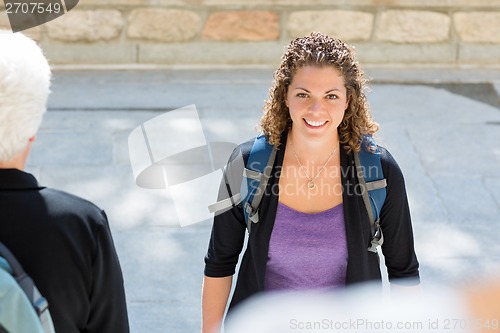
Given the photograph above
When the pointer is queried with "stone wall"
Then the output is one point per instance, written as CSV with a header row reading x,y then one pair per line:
x,y
451,33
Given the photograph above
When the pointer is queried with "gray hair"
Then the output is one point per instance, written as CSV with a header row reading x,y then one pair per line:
x,y
24,89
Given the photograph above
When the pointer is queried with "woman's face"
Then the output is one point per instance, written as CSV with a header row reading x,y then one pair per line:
x,y
317,100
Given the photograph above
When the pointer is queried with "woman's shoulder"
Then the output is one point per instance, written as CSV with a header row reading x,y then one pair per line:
x,y
390,167
369,145
246,146
386,156
242,150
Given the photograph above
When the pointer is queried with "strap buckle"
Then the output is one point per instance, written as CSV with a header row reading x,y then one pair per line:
x,y
378,237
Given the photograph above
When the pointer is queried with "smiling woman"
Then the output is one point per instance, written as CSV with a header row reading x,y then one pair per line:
x,y
313,232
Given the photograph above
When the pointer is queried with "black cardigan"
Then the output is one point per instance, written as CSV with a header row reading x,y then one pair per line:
x,y
228,231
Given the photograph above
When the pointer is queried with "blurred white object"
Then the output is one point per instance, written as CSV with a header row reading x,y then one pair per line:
x,y
170,152
357,309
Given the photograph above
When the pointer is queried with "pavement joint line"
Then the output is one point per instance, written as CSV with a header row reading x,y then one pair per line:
x,y
485,180
429,176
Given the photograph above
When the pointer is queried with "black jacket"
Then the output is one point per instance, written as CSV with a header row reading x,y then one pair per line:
x,y
64,243
228,232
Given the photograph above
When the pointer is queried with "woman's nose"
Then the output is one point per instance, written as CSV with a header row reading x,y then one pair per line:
x,y
315,106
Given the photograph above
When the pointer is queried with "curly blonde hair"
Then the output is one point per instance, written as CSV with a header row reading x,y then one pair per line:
x,y
318,49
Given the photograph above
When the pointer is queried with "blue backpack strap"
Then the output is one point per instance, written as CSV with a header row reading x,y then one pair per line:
x,y
16,311
255,177
40,306
371,178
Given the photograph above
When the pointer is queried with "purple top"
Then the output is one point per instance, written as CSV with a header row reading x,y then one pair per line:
x,y
307,251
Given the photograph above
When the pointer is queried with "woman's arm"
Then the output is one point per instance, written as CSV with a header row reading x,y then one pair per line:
x,y
225,246
215,294
395,220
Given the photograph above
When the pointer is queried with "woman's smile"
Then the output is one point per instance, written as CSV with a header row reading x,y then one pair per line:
x,y
315,124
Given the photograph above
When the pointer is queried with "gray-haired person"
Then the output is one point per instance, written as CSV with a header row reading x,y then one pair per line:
x,y
63,242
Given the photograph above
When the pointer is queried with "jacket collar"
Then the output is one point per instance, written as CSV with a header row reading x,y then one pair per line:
x,y
14,179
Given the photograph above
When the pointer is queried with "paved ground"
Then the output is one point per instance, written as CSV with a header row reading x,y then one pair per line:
x,y
442,126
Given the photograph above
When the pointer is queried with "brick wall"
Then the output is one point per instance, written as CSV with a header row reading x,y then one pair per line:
x,y
452,33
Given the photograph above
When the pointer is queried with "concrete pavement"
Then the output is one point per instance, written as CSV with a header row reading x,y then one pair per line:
x,y
443,128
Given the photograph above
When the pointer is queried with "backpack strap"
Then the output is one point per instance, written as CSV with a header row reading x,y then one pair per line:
x,y
256,174
373,183
38,302
255,177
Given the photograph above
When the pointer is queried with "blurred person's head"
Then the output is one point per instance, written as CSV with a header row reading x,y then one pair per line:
x,y
319,50
361,308
24,88
483,301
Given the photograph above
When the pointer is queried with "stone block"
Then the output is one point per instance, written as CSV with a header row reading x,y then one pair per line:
x,y
478,54
242,26
71,54
271,3
346,25
421,3
4,21
473,3
478,27
135,3
34,33
405,54
413,26
86,26
164,25
212,53
351,3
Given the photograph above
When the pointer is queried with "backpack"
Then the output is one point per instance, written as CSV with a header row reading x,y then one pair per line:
x,y
22,308
257,172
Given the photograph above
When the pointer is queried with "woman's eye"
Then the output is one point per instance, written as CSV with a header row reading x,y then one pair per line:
x,y
301,95
332,96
